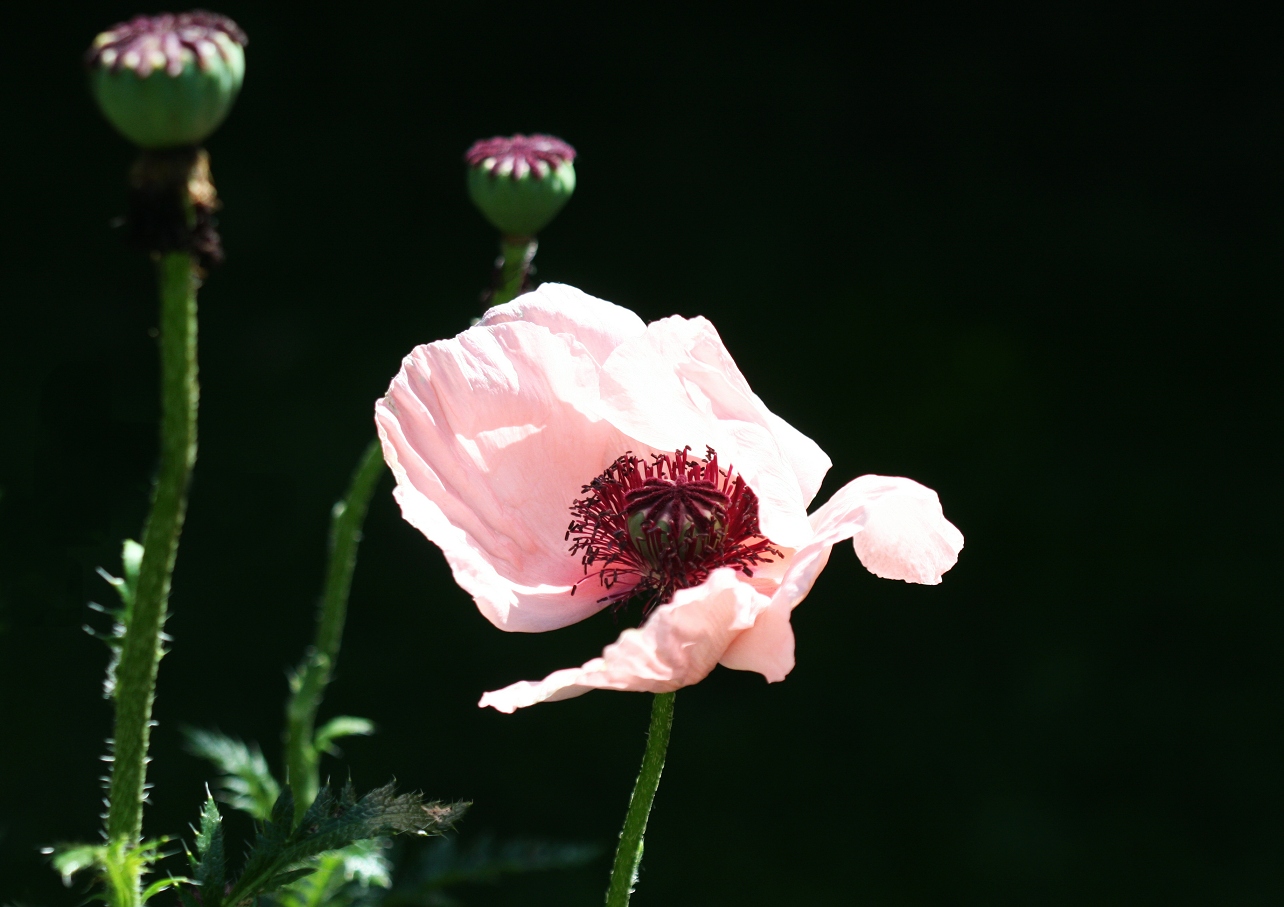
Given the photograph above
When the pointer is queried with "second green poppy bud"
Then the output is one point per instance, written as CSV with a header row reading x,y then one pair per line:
x,y
520,182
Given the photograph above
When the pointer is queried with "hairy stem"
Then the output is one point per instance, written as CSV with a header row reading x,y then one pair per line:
x,y
628,856
516,255
141,648
314,672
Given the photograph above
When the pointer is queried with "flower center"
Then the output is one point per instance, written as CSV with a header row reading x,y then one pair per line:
x,y
651,528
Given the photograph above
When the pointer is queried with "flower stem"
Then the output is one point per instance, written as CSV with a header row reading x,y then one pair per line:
x,y
314,673
141,648
516,255
628,856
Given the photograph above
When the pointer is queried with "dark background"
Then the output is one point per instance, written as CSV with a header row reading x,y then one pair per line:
x,y
1030,260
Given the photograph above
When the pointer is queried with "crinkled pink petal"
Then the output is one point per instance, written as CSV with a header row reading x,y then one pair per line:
x,y
491,435
678,645
599,326
899,532
676,385
896,525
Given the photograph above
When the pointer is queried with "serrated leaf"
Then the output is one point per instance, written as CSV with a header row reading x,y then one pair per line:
x,y
211,867
282,813
210,836
281,879
342,726
246,783
330,823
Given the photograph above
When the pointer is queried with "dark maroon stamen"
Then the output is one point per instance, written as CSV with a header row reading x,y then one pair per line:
x,y
147,43
517,155
649,529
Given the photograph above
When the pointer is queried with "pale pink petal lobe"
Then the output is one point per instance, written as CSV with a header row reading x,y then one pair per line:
x,y
599,326
897,528
768,647
490,436
899,532
677,645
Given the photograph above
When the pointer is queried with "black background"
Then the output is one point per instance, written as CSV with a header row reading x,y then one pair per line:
x,y
1030,260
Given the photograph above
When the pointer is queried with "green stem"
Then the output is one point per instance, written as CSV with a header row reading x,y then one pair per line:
x,y
141,648
628,856
308,684
517,253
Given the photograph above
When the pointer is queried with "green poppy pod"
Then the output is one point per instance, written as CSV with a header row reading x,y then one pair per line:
x,y
168,81
520,182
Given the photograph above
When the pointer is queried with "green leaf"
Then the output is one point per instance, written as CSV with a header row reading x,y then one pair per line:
x,y
351,877
319,889
210,836
70,859
281,879
342,726
246,782
160,885
117,865
211,867
366,863
330,823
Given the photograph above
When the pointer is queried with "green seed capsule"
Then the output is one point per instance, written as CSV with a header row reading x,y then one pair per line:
x,y
168,81
521,182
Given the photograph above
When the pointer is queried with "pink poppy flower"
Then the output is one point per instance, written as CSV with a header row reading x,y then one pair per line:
x,y
565,456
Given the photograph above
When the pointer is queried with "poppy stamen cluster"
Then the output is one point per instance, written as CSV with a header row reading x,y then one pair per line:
x,y
648,529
